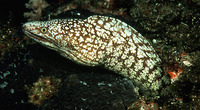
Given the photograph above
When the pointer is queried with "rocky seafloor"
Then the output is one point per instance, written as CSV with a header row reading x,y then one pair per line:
x,y
26,67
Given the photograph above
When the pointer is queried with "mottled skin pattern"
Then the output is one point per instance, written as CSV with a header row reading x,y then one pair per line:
x,y
102,40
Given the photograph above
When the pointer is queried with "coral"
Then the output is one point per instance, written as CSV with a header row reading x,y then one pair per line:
x,y
12,78
143,105
9,40
114,7
192,2
152,16
37,6
43,89
99,91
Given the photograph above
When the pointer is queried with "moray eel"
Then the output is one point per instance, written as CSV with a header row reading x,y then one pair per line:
x,y
102,40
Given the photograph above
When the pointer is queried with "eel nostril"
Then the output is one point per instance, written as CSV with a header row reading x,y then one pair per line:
x,y
23,26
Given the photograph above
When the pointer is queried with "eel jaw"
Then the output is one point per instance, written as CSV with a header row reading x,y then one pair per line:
x,y
49,43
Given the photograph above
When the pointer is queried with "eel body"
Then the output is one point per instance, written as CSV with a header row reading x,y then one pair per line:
x,y
102,40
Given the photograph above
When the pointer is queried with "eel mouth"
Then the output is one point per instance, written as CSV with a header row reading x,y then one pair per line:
x,y
44,41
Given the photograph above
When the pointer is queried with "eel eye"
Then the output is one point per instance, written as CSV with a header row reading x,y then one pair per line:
x,y
43,30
